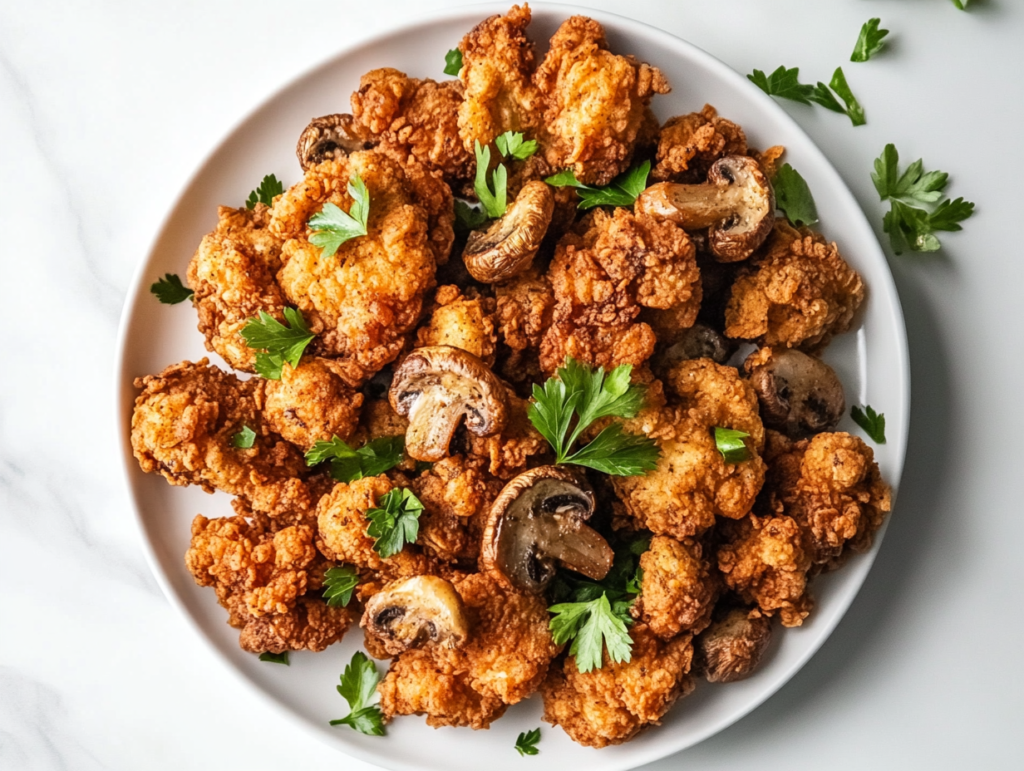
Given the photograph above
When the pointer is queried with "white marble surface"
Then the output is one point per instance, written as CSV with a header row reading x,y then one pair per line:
x,y
106,107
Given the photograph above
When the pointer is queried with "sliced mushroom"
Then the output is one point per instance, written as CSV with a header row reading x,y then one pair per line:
x,y
698,342
507,247
538,521
799,394
731,648
737,204
435,387
331,137
423,610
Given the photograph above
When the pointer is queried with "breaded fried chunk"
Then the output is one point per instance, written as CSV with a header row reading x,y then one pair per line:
x,y
689,144
612,704
461,322
311,625
678,589
311,403
524,313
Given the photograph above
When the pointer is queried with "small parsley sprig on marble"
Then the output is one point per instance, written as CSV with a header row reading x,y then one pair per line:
x,y
785,84
621,191
870,41
276,343
358,686
527,742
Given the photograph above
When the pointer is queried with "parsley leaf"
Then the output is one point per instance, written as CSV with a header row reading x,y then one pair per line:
x,y
621,191
339,583
962,4
493,203
370,460
730,443
332,227
453,62
275,658
244,439
615,452
358,685
909,225
853,109
468,217
526,744
785,84
269,187
592,627
276,342
511,144
395,522
170,291
793,196
872,422
870,41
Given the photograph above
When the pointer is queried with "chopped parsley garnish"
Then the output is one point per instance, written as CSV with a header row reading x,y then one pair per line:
x,y
348,465
909,224
872,422
793,196
332,227
244,439
275,658
962,4
870,41
621,191
853,109
577,397
339,583
511,144
269,187
395,522
526,744
358,686
730,443
453,62
592,626
493,200
170,291
468,217
277,343
785,84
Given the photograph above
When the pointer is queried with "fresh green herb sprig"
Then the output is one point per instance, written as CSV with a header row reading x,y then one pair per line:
x,y
275,658
468,217
395,522
244,439
276,343
621,191
270,187
793,196
578,396
492,193
872,422
453,62
332,227
358,686
962,4
870,41
170,291
512,145
339,584
785,84
730,444
527,742
348,464
909,224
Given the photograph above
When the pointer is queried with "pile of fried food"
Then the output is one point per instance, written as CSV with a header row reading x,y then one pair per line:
x,y
424,329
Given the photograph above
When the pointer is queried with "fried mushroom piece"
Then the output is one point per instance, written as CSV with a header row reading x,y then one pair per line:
x,y
461,321
800,395
613,704
232,274
183,428
688,145
678,591
731,648
310,403
799,294
507,247
416,612
332,138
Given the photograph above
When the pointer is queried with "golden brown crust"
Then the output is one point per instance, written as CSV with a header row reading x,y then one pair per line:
x,y
461,322
678,589
311,403
689,144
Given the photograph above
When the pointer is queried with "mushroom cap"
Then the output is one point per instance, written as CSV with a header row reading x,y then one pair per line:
x,y
508,246
417,611
698,342
435,387
800,395
538,520
731,648
331,137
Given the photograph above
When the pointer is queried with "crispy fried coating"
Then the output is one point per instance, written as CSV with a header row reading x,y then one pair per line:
x,y
182,428
601,276
524,312
800,293
693,482
461,322
595,102
678,591
415,119
364,300
689,144
612,704
311,403
232,275
508,453
505,660
311,625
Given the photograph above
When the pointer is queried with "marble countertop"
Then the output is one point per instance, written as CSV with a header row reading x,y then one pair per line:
x,y
107,107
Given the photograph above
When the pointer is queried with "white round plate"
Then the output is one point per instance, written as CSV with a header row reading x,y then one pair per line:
x,y
871,360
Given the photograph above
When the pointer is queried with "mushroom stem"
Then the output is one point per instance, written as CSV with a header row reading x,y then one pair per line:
x,y
576,546
692,206
433,419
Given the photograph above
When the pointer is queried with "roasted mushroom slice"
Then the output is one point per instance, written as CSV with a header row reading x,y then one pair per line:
x,y
423,610
698,342
331,137
538,520
507,247
799,394
435,387
737,204
731,648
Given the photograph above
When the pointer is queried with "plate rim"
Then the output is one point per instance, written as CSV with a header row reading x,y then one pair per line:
x,y
124,396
